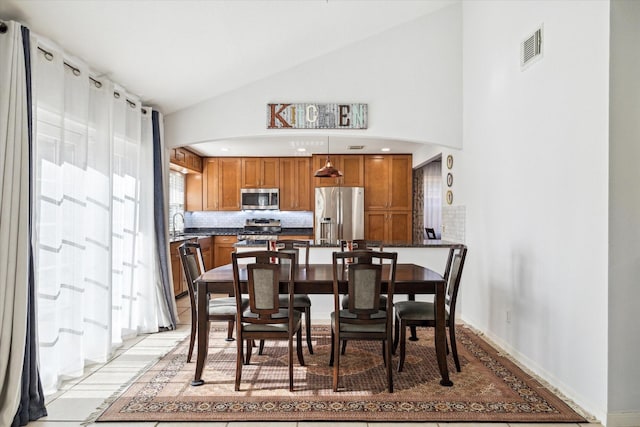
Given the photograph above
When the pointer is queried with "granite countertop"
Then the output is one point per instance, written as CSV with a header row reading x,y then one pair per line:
x,y
423,244
193,233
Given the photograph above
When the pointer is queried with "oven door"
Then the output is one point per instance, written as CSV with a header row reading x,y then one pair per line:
x,y
259,198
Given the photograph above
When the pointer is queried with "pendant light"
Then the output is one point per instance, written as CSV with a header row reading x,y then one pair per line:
x,y
327,171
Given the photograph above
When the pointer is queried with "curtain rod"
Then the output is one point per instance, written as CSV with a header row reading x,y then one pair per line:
x,y
76,72
3,27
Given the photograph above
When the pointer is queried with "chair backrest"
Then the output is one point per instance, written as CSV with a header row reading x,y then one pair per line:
x,y
193,267
430,232
263,285
364,283
360,245
453,274
294,246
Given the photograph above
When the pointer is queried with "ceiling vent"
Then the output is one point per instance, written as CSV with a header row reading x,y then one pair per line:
x,y
356,147
531,49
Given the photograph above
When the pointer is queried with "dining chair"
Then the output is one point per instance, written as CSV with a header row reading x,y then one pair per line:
x,y
363,319
301,302
360,245
431,233
422,313
220,309
265,318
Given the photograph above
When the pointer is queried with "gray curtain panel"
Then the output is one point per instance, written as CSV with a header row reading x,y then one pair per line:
x,y
160,218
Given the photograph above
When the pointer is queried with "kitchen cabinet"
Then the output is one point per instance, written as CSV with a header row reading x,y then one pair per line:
x,y
388,182
177,273
210,184
351,166
295,237
222,249
186,159
206,247
295,184
193,190
388,226
260,172
221,181
229,181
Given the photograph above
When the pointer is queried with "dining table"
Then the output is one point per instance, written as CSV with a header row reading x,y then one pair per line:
x,y
411,279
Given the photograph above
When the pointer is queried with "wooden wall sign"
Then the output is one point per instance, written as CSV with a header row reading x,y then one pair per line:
x,y
317,116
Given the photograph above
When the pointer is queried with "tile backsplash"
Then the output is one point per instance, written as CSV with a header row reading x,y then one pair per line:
x,y
236,219
453,223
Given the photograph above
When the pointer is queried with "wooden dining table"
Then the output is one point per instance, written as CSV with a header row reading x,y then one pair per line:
x,y
411,279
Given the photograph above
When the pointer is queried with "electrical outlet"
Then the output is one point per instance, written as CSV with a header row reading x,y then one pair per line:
x,y
508,316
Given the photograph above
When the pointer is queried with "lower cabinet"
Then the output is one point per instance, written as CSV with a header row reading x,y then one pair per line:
x,y
179,280
222,249
294,237
388,226
206,246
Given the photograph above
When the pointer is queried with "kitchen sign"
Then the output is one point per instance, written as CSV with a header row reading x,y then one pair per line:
x,y
317,116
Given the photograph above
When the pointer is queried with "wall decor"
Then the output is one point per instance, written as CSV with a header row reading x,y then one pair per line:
x,y
449,161
317,116
449,197
449,179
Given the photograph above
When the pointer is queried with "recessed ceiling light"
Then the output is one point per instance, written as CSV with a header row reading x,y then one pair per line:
x,y
386,149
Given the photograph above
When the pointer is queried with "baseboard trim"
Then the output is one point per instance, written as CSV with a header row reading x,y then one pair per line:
x,y
623,419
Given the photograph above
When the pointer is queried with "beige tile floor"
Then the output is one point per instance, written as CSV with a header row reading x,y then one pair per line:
x,y
78,399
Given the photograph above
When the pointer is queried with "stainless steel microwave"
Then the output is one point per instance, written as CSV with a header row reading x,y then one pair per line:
x,y
259,198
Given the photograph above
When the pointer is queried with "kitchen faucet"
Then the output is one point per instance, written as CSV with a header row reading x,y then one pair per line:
x,y
173,222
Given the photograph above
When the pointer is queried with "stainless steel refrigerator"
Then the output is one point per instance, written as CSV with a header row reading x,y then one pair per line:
x,y
339,214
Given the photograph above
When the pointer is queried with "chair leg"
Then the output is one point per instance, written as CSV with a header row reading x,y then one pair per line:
x,y
230,330
239,362
299,347
414,335
331,355
249,351
307,322
290,360
454,348
403,345
384,353
261,348
336,363
396,335
344,347
192,338
387,345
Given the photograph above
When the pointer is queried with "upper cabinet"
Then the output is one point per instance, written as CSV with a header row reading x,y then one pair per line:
x,y
229,181
221,180
351,166
295,184
186,159
260,172
388,182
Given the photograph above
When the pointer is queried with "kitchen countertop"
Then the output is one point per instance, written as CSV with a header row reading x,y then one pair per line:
x,y
423,244
193,233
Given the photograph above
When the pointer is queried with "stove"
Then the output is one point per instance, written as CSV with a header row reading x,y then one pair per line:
x,y
260,230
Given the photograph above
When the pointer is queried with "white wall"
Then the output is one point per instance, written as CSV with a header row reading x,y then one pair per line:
x,y
624,215
410,76
533,175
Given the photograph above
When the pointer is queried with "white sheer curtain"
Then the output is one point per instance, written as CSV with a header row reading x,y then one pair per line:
x,y
433,197
96,273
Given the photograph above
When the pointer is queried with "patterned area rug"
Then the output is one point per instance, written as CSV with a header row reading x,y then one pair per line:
x,y
489,388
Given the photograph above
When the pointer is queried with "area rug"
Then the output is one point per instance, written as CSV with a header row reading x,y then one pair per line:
x,y
490,387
